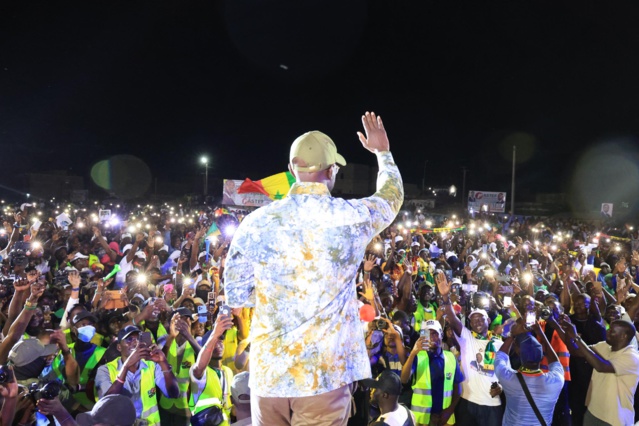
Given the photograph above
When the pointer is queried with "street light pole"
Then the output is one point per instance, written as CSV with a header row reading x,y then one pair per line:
x,y
205,161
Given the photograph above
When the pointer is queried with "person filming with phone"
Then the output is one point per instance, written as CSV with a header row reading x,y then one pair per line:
x,y
436,378
141,367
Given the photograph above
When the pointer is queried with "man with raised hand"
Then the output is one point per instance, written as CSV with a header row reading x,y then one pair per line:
x,y
296,261
480,404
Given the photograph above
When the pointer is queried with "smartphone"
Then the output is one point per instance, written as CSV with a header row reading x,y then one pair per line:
x,y
531,318
225,310
116,301
211,299
449,274
202,314
145,339
508,301
426,335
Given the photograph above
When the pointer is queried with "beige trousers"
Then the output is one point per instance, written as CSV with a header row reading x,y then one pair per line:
x,y
328,409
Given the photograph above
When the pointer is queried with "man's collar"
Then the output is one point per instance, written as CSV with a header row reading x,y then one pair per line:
x,y
141,365
438,354
309,188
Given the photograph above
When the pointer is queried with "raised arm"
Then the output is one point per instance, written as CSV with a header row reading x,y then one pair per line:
x,y
579,347
20,325
387,200
443,286
222,323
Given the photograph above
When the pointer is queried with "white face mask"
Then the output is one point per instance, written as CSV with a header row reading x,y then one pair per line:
x,y
86,333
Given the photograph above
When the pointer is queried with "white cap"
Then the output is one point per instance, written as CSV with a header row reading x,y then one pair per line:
x,y
164,248
79,255
480,312
140,254
432,325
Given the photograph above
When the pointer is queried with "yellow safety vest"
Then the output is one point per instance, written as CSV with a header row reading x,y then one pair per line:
x,y
230,347
215,393
93,360
422,401
150,411
161,331
181,372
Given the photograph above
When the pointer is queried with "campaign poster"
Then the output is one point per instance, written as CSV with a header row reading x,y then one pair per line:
x,y
482,201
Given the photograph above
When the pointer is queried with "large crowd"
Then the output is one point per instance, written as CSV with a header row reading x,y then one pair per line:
x,y
315,311
108,317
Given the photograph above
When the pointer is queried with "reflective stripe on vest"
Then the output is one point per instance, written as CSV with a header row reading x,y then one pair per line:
x,y
181,372
213,393
562,353
147,383
422,401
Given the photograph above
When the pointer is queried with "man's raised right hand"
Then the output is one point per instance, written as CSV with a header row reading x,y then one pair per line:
x,y
376,139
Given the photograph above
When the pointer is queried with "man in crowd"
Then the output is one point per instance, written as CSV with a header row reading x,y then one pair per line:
x,y
180,350
615,375
437,378
544,388
210,380
296,260
479,404
385,395
137,372
88,356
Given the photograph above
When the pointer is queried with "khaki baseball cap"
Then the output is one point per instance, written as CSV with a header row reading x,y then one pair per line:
x,y
317,150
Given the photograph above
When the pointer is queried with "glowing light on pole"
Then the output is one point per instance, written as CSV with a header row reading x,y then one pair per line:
x,y
205,161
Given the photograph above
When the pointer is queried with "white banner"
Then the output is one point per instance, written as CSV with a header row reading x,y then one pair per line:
x,y
492,202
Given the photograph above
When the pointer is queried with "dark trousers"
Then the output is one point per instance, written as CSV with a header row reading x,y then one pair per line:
x,y
470,414
167,418
561,415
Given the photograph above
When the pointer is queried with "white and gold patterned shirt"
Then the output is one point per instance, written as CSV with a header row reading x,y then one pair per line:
x,y
296,260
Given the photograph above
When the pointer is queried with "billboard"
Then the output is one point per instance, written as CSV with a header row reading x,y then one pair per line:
x,y
491,202
231,197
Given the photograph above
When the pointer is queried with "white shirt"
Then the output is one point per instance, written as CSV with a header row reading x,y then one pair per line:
x,y
477,382
611,396
397,417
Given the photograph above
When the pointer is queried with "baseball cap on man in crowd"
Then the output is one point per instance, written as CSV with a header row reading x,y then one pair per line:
x,y
387,381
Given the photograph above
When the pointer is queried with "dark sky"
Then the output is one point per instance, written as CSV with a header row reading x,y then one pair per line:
x,y
456,83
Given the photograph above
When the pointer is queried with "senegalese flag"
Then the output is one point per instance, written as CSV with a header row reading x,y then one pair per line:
x,y
213,230
275,187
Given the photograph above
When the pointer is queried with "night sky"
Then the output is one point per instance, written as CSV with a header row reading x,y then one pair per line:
x,y
457,83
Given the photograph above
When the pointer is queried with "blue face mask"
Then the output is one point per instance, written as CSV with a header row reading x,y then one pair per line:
x,y
86,333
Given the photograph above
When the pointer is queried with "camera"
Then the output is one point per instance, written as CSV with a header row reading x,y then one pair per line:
x,y
381,324
545,314
49,390
5,374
